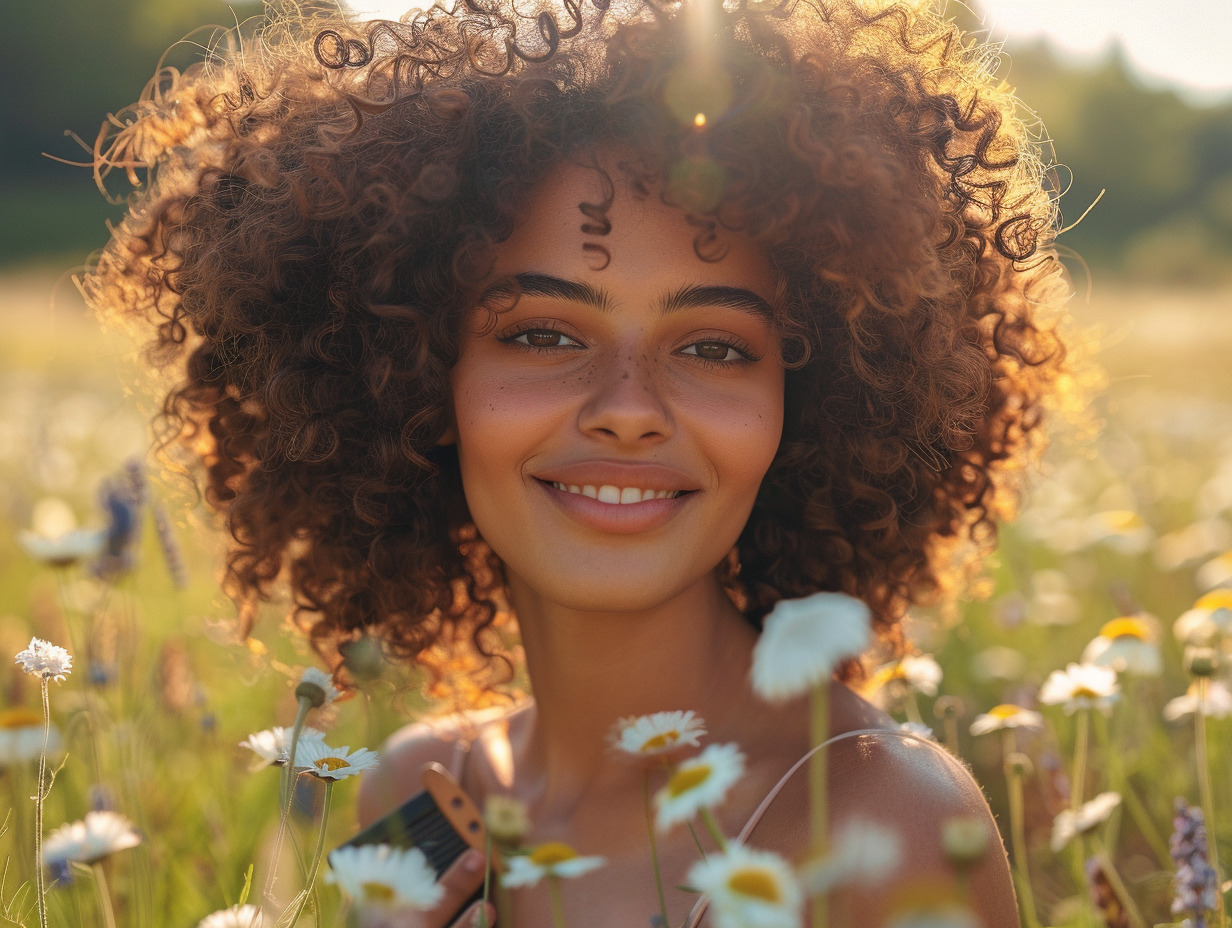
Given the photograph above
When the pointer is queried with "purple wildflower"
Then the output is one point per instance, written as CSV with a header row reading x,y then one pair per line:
x,y
1196,883
121,500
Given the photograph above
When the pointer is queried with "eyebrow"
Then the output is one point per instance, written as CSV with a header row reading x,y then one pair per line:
x,y
687,297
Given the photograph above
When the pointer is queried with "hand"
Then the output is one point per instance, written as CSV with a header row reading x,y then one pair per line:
x,y
461,880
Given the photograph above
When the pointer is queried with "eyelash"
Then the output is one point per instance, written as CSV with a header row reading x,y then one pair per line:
x,y
743,351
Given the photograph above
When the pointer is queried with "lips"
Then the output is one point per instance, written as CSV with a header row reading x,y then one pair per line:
x,y
617,497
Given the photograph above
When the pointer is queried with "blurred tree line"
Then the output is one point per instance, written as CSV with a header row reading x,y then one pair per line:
x,y
1166,166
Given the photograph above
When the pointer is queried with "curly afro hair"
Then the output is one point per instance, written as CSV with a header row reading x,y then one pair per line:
x,y
320,212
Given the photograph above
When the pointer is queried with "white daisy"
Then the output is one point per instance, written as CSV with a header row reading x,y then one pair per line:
x,y
21,736
1006,715
45,659
1127,645
863,853
238,916
386,877
1217,572
329,763
919,673
317,687
804,640
748,888
649,735
698,783
553,859
919,729
1209,620
273,744
1071,823
1080,686
1122,530
1218,702
63,550
91,839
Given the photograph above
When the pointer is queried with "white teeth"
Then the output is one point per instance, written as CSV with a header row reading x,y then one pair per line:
x,y
616,495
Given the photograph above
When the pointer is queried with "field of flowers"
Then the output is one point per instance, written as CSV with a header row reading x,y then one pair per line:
x,y
1121,564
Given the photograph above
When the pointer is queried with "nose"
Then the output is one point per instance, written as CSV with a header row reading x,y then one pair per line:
x,y
626,403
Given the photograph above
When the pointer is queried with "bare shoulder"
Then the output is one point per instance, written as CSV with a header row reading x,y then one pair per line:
x,y
396,778
407,751
914,787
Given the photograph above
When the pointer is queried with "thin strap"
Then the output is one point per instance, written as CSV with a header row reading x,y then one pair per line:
x,y
461,754
699,908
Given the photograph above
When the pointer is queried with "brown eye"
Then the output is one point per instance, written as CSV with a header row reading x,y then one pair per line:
x,y
542,338
713,351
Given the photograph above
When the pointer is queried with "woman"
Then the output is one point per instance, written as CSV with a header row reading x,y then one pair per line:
x,y
637,319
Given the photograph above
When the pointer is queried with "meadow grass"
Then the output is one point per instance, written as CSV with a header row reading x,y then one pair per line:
x,y
1120,520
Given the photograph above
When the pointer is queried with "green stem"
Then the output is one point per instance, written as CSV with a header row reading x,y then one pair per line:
x,y
40,888
558,904
1018,839
1120,783
712,826
1118,886
912,706
302,899
1082,741
697,842
819,733
1207,794
654,848
104,895
286,796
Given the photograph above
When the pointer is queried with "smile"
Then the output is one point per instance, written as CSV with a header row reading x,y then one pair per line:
x,y
613,494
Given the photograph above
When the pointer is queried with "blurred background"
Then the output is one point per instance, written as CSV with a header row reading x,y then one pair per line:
x,y
1132,511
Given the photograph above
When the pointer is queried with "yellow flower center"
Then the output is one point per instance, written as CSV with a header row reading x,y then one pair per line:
x,y
757,884
551,854
1215,599
662,740
331,763
1004,711
687,778
20,718
377,892
1123,519
1082,692
1126,627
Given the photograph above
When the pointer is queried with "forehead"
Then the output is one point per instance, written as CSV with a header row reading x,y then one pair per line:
x,y
569,229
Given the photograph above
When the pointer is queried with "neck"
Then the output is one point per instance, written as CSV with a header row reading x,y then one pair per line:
x,y
589,670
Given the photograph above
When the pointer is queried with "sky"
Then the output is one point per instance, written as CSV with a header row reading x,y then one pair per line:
x,y
1182,43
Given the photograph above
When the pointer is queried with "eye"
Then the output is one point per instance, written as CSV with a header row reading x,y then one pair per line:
x,y
715,351
541,338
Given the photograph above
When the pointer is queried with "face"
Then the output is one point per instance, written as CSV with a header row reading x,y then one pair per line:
x,y
614,426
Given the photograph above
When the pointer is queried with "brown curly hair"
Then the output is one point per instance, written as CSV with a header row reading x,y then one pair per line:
x,y
320,214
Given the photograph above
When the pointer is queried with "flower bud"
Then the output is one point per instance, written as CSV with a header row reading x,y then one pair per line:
x,y
964,840
1201,661
1019,764
506,819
